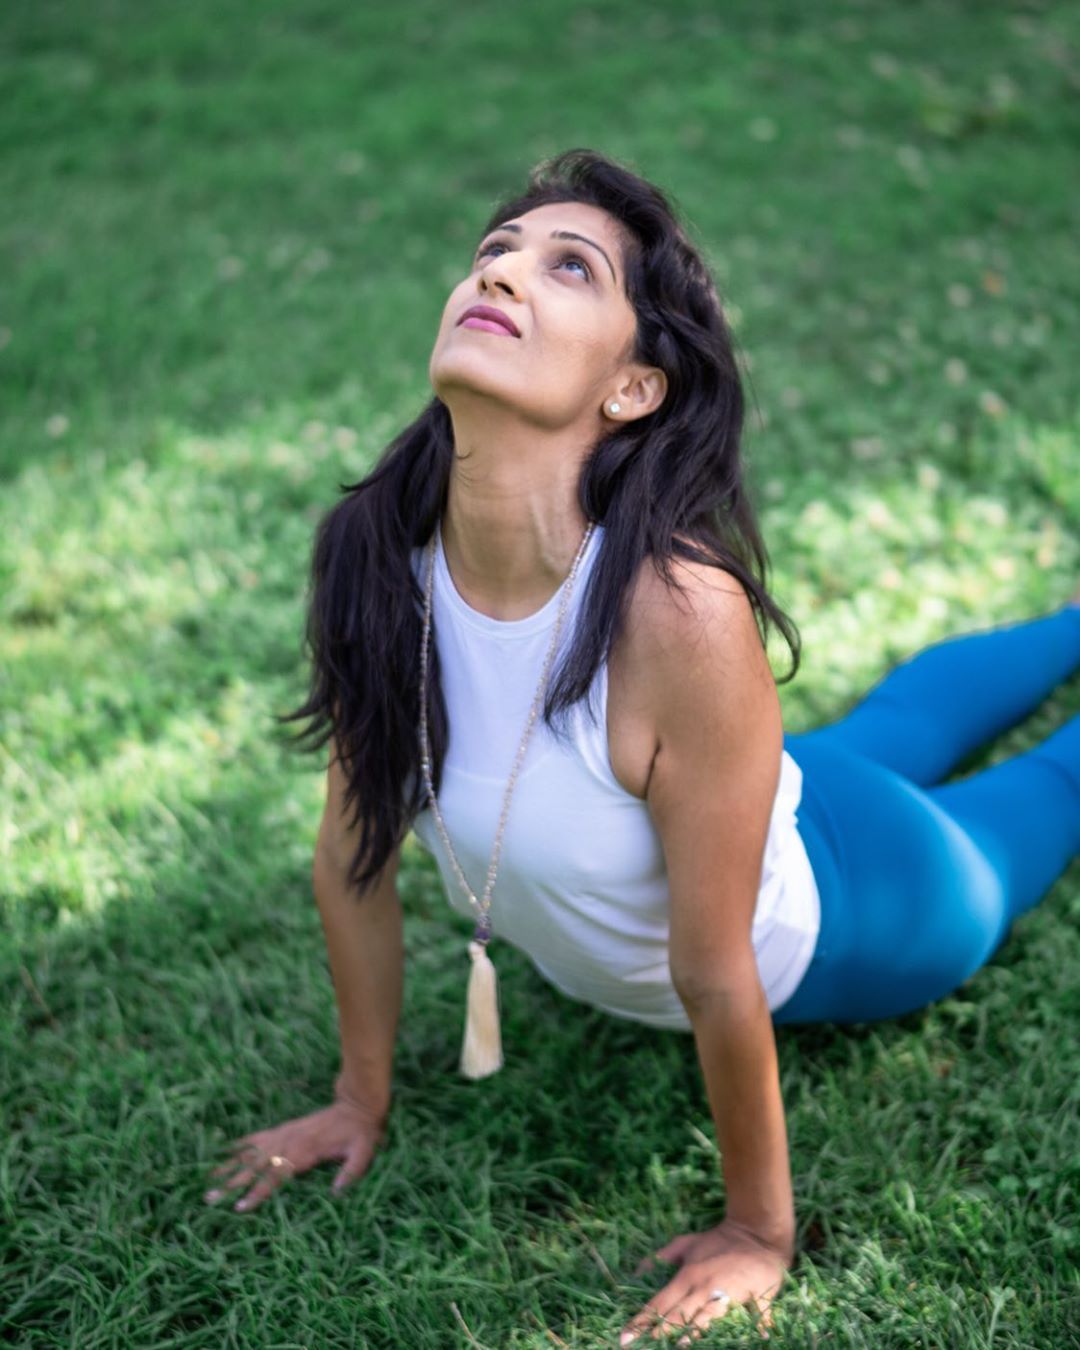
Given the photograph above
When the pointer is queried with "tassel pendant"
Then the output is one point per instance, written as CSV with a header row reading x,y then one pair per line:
x,y
481,1050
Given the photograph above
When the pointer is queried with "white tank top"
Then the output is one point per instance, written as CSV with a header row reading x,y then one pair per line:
x,y
581,886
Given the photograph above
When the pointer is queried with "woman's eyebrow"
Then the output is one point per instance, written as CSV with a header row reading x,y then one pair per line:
x,y
564,234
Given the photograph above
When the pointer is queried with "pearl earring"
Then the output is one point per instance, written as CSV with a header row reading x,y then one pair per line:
x,y
613,407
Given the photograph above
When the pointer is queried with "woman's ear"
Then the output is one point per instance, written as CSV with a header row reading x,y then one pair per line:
x,y
641,392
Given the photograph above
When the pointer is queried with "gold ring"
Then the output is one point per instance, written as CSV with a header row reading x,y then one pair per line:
x,y
278,1161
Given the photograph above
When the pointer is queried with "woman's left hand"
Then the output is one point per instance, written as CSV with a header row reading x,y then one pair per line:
x,y
728,1257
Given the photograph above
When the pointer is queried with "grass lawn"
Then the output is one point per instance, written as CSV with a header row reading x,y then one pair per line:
x,y
227,235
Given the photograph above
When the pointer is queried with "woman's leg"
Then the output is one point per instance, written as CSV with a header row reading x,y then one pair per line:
x,y
930,711
919,887
1024,814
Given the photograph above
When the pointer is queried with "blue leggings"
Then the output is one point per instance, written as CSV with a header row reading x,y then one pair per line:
x,y
919,883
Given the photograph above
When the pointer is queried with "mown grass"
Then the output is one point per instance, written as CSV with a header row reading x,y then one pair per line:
x,y
228,233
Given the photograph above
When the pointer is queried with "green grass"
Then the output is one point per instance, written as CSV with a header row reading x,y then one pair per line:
x,y
228,232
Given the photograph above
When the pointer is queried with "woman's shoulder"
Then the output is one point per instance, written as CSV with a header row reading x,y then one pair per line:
x,y
663,615
686,655
705,616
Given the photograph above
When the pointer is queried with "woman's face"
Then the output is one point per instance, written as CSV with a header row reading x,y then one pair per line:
x,y
566,299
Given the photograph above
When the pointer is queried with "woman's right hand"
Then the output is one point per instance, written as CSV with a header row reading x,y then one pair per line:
x,y
345,1130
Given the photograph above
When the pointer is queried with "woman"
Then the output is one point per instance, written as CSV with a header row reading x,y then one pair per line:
x,y
578,476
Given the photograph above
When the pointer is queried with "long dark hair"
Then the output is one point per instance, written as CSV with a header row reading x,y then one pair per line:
x,y
676,472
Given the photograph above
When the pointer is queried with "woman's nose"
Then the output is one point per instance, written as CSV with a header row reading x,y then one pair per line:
x,y
499,273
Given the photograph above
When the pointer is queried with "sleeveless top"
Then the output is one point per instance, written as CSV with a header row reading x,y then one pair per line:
x,y
581,885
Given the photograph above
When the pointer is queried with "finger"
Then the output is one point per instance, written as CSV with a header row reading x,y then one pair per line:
x,y
638,1333
674,1251
765,1314
355,1165
694,1310
242,1178
231,1164
245,1144
709,1311
657,1313
246,1153
646,1266
266,1185
243,1151
671,1322
272,1174
241,1141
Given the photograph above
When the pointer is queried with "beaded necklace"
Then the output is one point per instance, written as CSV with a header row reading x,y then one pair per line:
x,y
481,1051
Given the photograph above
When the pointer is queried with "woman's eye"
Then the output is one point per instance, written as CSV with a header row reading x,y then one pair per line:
x,y
564,258
573,257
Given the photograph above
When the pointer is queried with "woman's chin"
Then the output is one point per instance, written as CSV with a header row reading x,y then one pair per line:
x,y
464,383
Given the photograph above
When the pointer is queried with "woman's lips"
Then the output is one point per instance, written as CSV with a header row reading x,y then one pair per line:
x,y
489,325
487,315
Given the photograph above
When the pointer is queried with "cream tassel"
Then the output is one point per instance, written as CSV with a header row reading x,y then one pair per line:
x,y
481,1051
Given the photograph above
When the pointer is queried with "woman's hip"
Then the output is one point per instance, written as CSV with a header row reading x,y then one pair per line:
x,y
910,906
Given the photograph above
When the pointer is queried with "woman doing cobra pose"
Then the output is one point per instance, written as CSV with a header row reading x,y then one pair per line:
x,y
567,520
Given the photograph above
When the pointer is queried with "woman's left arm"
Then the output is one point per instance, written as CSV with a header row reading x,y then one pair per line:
x,y
711,792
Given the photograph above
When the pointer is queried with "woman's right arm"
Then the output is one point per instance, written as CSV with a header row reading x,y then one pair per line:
x,y
366,952
365,947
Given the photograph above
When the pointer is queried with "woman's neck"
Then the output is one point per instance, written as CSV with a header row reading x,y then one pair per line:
x,y
512,524
509,554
